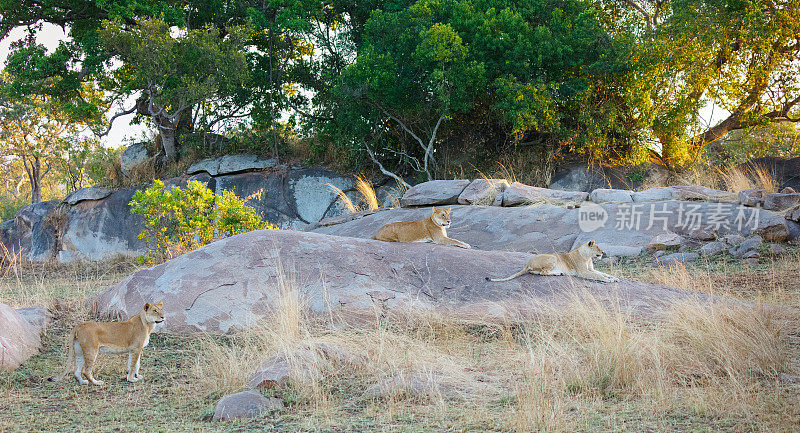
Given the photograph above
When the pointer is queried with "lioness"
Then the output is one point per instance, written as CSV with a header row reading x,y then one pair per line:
x,y
577,262
431,229
89,338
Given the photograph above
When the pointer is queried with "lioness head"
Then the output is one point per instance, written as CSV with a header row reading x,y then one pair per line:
x,y
441,216
590,250
154,312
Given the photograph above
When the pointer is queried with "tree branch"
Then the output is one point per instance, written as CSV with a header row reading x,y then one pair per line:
x,y
384,170
113,118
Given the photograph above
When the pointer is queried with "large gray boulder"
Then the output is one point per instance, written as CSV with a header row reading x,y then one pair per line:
x,y
19,340
102,229
622,229
434,192
308,191
235,282
581,177
32,232
483,192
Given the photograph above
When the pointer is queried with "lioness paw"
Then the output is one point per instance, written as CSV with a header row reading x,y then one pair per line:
x,y
466,245
133,379
612,280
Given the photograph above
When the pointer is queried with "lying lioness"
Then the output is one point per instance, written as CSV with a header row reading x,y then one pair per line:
x,y
431,229
89,338
577,262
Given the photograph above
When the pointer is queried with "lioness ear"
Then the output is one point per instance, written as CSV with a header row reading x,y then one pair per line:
x,y
448,208
434,208
591,243
147,306
160,303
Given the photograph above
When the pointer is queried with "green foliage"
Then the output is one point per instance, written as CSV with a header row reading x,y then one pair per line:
x,y
178,220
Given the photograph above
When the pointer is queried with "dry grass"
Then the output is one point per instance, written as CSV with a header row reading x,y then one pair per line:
x,y
733,180
737,179
582,366
368,201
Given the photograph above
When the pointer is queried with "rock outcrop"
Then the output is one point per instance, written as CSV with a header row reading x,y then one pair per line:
x,y
625,230
233,283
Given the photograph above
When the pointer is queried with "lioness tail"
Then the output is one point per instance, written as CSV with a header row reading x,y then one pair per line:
x,y
70,357
524,270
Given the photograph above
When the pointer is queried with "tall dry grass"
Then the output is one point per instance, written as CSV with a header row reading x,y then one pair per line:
x,y
737,179
368,200
701,356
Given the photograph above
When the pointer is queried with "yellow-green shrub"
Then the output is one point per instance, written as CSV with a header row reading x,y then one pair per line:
x,y
178,220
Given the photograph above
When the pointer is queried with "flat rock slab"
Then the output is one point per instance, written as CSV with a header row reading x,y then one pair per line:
x,y
518,194
88,193
19,340
231,164
622,229
235,282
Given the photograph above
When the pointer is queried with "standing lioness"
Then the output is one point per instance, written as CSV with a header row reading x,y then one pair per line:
x,y
577,262
431,229
89,338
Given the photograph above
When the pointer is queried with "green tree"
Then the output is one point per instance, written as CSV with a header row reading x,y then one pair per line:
x,y
35,131
169,74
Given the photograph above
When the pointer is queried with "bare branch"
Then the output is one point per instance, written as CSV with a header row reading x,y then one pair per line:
x,y
114,117
384,170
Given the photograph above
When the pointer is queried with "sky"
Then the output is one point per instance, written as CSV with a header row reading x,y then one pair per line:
x,y
122,131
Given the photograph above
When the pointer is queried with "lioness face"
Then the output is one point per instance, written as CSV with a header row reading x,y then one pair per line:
x,y
590,249
441,216
154,312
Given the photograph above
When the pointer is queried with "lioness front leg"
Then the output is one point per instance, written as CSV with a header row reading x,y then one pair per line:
x,y
133,373
597,276
444,240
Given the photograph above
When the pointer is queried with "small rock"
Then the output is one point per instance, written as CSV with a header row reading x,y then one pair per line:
x,y
779,202
132,156
794,215
245,405
751,254
605,195
788,190
750,243
751,261
434,192
483,192
712,248
733,240
660,253
677,257
413,384
776,249
665,241
702,234
751,197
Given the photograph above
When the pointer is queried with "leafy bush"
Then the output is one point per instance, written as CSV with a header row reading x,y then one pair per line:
x,y
179,220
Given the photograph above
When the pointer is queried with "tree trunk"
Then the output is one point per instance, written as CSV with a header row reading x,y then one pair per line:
x,y
168,142
36,180
674,152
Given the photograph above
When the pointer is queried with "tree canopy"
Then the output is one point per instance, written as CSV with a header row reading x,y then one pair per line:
x,y
395,80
